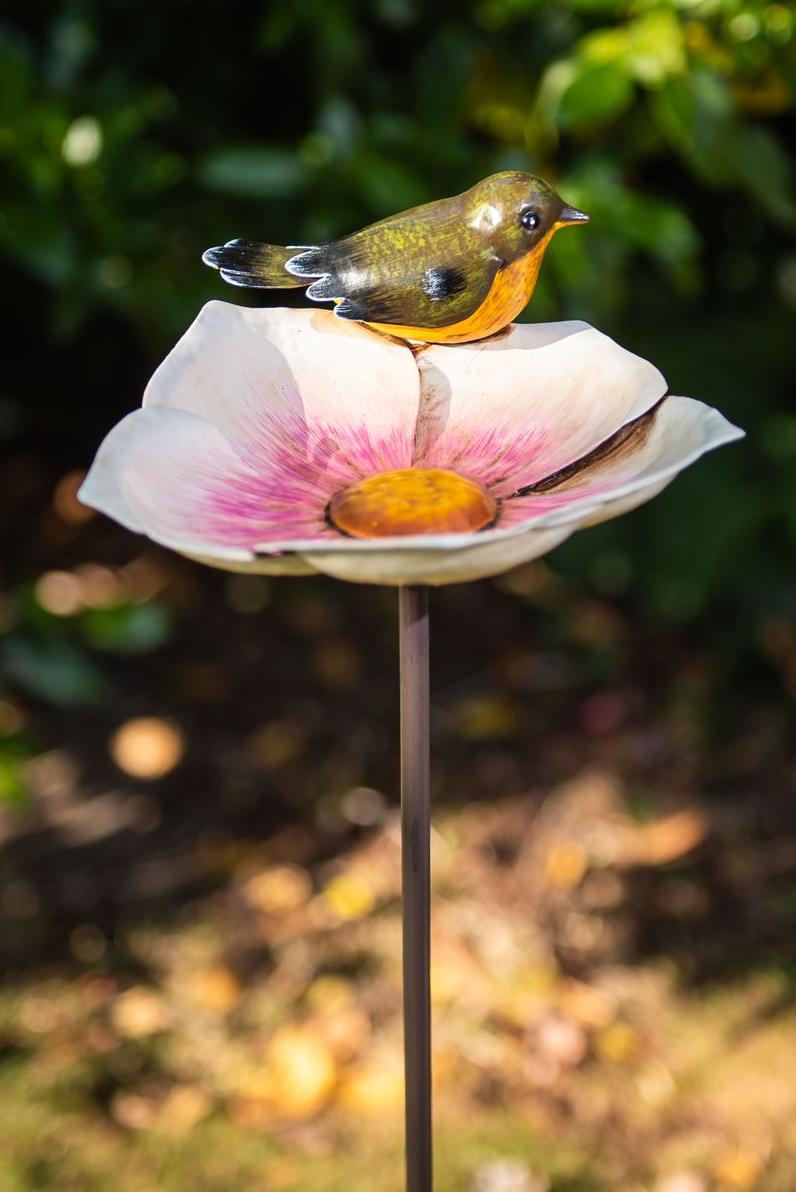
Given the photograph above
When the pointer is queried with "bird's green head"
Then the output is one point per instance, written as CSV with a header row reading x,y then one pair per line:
x,y
517,212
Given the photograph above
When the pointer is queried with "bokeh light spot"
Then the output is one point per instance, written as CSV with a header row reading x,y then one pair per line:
x,y
99,586
59,593
363,806
82,144
278,890
147,747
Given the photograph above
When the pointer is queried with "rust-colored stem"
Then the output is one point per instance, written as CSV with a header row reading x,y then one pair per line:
x,y
415,840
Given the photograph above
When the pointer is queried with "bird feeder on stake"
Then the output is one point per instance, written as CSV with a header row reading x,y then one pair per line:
x,y
292,442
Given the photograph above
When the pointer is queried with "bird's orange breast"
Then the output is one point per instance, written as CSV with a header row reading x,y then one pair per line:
x,y
507,297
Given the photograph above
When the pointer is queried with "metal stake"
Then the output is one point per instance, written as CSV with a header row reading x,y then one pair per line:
x,y
415,841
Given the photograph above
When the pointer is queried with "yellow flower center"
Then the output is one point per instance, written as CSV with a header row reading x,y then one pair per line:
x,y
412,501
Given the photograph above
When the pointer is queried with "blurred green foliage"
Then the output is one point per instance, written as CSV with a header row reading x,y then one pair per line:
x,y
130,139
45,653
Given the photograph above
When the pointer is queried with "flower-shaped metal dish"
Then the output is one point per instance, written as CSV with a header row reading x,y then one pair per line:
x,y
289,441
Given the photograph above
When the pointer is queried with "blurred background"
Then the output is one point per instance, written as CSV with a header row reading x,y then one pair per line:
x,y
199,917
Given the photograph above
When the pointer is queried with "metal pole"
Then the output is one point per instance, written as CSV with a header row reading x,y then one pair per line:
x,y
415,842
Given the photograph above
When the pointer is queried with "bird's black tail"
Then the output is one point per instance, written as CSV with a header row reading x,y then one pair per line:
x,y
247,263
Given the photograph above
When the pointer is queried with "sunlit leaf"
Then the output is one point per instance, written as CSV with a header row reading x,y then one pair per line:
x,y
13,786
650,48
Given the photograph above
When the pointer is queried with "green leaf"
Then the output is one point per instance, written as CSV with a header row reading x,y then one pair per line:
x,y
253,172
652,45
12,783
126,629
15,73
387,185
54,669
765,170
665,231
698,118
38,239
13,786
595,94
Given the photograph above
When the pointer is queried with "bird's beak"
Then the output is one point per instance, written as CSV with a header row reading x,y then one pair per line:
x,y
571,215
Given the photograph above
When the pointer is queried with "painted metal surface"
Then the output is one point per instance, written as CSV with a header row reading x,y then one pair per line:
x,y
454,270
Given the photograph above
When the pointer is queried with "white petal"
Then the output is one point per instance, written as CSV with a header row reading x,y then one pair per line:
x,y
299,382
676,435
513,409
176,478
260,565
487,554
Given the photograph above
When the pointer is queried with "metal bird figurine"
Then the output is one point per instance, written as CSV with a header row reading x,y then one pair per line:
x,y
451,271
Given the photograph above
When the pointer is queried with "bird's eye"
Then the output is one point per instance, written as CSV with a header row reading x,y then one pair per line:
x,y
530,220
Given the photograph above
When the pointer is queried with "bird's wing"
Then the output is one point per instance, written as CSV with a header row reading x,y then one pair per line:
x,y
401,272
